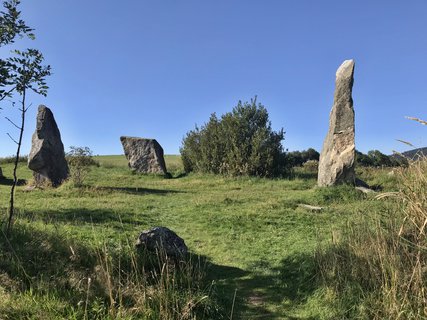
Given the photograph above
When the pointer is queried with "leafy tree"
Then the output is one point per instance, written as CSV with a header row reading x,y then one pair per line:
x,y
20,74
11,27
294,158
310,154
241,142
298,158
379,159
363,160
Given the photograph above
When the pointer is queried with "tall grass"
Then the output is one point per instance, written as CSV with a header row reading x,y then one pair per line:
x,y
378,270
102,281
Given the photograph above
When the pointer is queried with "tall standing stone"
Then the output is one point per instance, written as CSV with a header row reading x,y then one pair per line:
x,y
336,164
144,155
47,157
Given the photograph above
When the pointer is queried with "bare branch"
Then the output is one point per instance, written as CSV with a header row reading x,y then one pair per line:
x,y
12,138
25,110
19,128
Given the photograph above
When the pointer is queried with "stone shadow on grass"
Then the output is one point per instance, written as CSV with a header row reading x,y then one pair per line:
x,y
49,261
140,191
8,182
32,259
287,285
303,175
77,216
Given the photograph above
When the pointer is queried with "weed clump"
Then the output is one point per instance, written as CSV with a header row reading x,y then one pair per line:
x,y
80,161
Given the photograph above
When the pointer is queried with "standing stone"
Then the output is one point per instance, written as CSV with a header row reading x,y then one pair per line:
x,y
144,155
336,164
47,158
1,174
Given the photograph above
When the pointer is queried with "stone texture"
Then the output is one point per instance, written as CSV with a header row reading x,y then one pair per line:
x,y
310,207
47,158
162,239
144,155
1,174
365,190
336,164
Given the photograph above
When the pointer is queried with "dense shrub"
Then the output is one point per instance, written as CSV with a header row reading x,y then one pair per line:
x,y
311,166
241,142
298,158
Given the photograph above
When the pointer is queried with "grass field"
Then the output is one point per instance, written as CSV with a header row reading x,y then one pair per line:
x,y
257,246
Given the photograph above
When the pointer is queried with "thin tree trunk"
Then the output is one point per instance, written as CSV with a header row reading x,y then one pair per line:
x,y
15,178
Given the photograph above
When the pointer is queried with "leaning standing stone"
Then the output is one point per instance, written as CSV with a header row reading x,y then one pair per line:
x,y
336,164
47,158
144,155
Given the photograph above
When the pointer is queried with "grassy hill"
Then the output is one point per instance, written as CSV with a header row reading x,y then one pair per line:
x,y
412,154
254,247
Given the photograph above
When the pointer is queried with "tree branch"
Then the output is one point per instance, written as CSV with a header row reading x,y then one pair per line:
x,y
12,138
19,128
6,94
28,107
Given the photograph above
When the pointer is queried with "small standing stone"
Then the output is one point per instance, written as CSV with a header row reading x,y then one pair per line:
x,y
47,157
162,239
144,155
1,174
336,164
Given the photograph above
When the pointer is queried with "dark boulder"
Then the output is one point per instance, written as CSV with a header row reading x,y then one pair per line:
x,y
162,240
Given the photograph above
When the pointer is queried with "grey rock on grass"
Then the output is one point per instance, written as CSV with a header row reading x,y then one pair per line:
x,y
162,240
47,157
336,164
144,155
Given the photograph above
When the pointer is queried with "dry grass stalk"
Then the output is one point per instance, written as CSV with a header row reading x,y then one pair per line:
x,y
385,263
416,119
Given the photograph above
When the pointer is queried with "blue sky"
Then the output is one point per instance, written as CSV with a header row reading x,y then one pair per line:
x,y
156,68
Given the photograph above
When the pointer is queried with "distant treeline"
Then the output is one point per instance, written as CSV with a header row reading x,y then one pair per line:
x,y
376,158
11,159
373,158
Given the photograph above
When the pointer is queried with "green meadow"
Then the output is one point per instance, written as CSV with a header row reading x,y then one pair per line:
x,y
255,249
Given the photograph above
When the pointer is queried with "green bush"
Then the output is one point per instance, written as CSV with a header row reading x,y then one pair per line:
x,y
241,142
298,158
311,166
80,160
